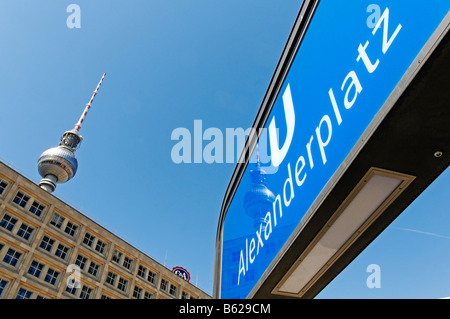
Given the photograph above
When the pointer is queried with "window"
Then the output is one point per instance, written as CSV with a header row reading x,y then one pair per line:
x,y
88,239
111,278
3,185
93,269
35,268
184,295
100,247
12,257
127,262
72,289
37,208
81,261
117,256
3,284
93,242
62,251
8,222
142,271
24,294
52,276
71,229
57,220
122,285
25,231
137,292
47,243
151,277
164,285
21,199
173,290
147,295
86,292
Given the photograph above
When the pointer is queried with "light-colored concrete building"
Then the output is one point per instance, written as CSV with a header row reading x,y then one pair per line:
x,y
48,249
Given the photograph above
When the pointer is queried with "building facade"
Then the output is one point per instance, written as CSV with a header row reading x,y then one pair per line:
x,y
50,250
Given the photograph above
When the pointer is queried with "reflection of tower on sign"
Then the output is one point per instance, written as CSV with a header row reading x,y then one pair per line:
x,y
259,199
58,164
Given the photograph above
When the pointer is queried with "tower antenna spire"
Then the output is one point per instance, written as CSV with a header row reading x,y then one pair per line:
x,y
88,106
59,164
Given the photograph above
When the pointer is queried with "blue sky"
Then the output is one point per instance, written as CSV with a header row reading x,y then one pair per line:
x,y
168,63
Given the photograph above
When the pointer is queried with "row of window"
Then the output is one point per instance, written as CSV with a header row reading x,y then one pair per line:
x,y
25,201
25,231
95,243
27,294
60,222
121,259
9,222
22,200
51,276
168,287
146,274
37,269
12,256
119,282
139,293
52,246
84,293
87,265
59,249
36,208
122,284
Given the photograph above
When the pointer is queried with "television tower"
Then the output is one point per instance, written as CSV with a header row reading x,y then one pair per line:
x,y
58,164
259,199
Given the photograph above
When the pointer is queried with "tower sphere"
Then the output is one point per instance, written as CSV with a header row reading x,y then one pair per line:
x,y
59,164
258,200
58,161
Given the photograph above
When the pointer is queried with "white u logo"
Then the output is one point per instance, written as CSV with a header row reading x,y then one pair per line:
x,y
277,154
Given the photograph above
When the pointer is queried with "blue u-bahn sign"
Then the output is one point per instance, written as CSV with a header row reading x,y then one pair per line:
x,y
351,58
